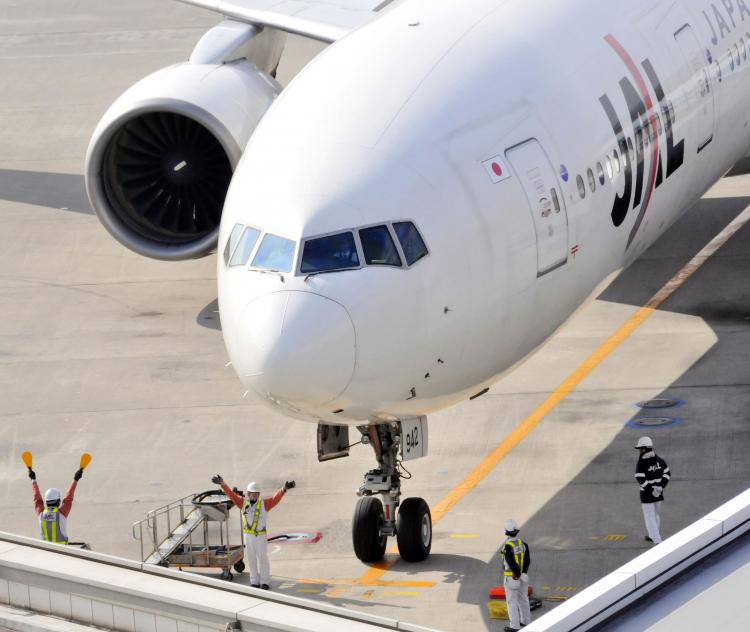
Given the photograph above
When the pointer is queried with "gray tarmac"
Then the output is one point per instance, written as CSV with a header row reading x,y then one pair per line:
x,y
106,352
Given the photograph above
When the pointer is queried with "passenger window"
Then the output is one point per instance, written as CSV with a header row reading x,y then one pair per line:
x,y
378,247
581,186
731,60
245,247
411,241
274,253
616,161
600,173
234,237
736,54
608,165
325,254
592,182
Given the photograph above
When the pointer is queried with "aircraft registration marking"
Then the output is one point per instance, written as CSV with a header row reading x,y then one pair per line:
x,y
522,430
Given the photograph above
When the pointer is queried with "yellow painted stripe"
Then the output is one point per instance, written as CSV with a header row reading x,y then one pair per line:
x,y
399,593
309,590
364,582
464,536
520,432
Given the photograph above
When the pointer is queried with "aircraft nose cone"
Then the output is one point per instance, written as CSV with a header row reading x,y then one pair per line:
x,y
299,348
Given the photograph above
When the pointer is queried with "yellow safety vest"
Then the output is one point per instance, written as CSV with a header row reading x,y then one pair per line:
x,y
519,552
253,528
50,520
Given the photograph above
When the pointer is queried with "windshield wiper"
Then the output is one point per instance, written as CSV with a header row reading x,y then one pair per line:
x,y
279,273
317,272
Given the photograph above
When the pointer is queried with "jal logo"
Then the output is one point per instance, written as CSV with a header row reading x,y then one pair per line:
x,y
653,468
643,166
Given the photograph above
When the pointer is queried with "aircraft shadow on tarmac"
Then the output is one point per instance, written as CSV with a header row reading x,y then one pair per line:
x,y
62,191
594,524
209,316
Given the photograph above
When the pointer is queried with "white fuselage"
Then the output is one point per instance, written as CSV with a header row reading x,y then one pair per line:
x,y
474,121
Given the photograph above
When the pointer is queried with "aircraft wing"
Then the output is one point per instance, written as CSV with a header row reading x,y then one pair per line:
x,y
324,20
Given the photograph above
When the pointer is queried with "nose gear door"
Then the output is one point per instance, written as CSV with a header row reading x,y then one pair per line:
x,y
546,203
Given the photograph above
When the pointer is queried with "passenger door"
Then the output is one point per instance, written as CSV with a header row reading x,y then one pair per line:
x,y
546,203
700,88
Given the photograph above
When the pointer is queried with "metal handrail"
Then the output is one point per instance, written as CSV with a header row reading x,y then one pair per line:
x,y
151,519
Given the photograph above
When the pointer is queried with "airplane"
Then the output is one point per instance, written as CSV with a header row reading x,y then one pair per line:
x,y
427,201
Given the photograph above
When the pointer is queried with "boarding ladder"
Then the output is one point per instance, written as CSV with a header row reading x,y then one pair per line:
x,y
181,534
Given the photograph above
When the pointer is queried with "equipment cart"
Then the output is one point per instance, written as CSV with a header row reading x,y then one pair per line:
x,y
192,532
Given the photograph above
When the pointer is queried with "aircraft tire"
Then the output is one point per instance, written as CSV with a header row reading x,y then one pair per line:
x,y
414,530
369,544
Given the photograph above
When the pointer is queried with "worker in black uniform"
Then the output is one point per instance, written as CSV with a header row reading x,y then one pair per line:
x,y
516,561
652,475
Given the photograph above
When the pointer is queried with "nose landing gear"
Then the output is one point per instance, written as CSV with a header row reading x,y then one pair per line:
x,y
374,520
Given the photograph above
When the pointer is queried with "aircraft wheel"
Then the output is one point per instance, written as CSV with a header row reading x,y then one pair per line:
x,y
239,566
369,543
414,530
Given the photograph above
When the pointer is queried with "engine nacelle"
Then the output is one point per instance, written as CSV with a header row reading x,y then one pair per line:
x,y
160,161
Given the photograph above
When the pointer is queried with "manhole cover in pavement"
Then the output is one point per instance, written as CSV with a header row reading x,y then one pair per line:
x,y
658,403
653,421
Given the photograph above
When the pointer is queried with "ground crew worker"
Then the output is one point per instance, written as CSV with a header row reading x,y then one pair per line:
x,y
516,561
53,515
254,513
652,474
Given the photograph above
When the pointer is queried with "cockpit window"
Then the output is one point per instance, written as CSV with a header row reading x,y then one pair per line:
x,y
274,253
334,252
245,247
411,241
378,247
234,237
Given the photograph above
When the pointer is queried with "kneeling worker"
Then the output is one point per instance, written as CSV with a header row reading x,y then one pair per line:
x,y
254,513
516,561
53,514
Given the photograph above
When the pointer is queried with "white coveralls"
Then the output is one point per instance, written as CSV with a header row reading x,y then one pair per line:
x,y
652,518
516,590
256,542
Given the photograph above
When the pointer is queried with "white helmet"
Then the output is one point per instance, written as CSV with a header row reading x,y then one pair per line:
x,y
52,495
511,525
252,487
644,442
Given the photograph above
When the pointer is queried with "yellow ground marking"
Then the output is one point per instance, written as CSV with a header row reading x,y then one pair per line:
x,y
464,536
368,594
522,430
337,592
360,582
615,537
566,588
309,590
400,593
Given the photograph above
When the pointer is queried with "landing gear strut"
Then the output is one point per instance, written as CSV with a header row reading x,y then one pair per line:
x,y
376,519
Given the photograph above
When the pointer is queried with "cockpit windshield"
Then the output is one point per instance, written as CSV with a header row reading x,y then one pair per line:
x,y
378,247
333,252
245,247
274,253
411,241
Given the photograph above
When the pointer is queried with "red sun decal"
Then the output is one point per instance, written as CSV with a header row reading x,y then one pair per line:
x,y
497,169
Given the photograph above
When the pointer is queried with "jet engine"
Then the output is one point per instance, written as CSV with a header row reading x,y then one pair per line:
x,y
161,159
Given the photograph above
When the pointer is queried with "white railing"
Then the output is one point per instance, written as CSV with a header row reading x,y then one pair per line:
x,y
128,596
